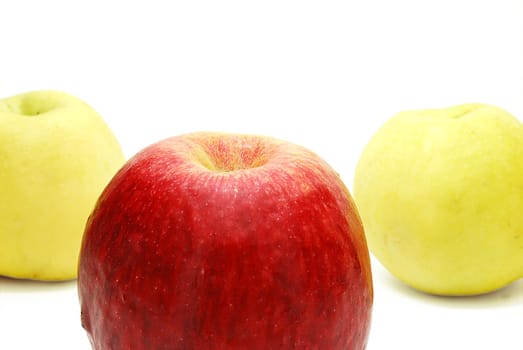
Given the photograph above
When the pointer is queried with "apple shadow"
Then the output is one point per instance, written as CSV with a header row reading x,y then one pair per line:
x,y
511,294
14,285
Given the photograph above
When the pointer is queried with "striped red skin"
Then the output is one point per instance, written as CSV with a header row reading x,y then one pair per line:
x,y
218,241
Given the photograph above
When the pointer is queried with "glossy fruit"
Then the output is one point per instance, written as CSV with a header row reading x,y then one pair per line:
x,y
222,241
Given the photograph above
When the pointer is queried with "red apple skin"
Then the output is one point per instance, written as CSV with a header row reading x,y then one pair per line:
x,y
222,241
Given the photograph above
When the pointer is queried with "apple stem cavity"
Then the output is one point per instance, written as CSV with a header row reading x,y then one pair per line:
x,y
463,110
34,104
226,157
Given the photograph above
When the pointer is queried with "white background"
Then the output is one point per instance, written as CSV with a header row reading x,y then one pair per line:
x,y
324,74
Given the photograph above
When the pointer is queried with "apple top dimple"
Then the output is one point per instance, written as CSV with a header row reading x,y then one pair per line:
x,y
34,103
458,112
463,110
227,153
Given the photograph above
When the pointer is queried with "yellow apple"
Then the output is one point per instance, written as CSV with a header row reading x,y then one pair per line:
x,y
56,156
440,193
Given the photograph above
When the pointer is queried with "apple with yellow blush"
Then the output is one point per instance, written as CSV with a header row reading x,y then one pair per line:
x,y
56,156
440,193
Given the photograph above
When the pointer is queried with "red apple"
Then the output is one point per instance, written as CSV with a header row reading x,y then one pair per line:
x,y
222,241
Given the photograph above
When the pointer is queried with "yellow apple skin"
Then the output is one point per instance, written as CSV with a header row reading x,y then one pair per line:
x,y
56,156
440,193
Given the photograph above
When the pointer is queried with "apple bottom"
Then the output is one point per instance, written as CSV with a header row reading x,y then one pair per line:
x,y
179,257
292,293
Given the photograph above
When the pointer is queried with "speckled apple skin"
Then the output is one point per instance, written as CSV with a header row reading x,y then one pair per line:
x,y
220,241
